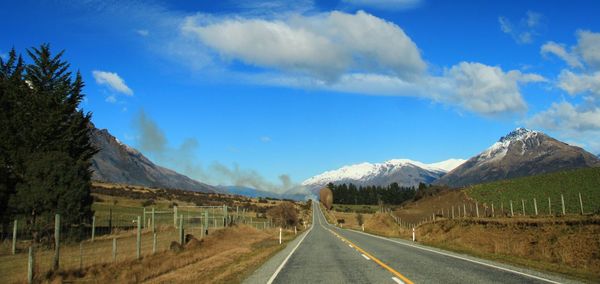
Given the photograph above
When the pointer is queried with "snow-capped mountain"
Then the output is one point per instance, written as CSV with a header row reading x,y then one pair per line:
x,y
403,171
522,152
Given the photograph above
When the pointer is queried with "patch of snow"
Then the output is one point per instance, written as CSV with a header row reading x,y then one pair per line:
x,y
448,165
499,149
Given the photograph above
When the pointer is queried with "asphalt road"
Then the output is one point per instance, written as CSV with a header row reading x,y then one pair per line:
x,y
327,254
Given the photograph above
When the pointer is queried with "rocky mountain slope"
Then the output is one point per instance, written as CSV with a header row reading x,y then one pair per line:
x,y
522,152
119,163
403,171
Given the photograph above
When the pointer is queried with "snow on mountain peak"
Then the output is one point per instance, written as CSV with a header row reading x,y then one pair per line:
x,y
364,171
499,149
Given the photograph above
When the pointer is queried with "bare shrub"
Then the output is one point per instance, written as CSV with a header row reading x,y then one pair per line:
x,y
284,214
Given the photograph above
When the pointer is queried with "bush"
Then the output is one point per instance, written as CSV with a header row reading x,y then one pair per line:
x,y
359,219
284,214
148,202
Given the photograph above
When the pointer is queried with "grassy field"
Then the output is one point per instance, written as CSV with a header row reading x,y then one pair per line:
x,y
541,187
122,205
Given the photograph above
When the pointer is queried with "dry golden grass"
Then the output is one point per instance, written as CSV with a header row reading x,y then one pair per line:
x,y
569,245
415,212
226,256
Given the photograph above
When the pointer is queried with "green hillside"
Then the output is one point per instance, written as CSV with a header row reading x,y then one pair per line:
x,y
569,183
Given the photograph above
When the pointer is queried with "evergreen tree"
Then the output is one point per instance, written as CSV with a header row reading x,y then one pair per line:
x,y
44,163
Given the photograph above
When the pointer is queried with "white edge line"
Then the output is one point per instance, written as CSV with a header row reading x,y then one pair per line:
x,y
460,257
366,257
292,252
397,280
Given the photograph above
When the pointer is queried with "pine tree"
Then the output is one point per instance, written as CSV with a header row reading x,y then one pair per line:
x,y
50,151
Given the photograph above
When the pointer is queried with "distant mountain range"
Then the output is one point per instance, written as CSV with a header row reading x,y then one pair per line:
x,y
402,171
119,163
254,193
522,152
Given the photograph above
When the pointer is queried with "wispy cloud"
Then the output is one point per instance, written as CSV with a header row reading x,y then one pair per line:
x,y
142,32
265,139
385,4
525,30
112,81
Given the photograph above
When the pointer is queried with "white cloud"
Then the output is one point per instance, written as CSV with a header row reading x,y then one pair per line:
x,y
588,46
574,83
265,139
560,51
525,31
142,32
113,81
565,117
324,46
483,89
385,4
587,50
487,89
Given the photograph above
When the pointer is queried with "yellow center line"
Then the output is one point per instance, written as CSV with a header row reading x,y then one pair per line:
x,y
396,273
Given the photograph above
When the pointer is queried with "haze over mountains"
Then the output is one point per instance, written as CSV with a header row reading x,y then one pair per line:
x,y
119,163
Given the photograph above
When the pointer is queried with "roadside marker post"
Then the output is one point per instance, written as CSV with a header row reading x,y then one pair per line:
x,y
413,234
295,231
279,235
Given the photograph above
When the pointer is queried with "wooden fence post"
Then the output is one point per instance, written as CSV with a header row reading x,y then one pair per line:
x,y
14,237
154,243
206,217
56,241
30,265
452,211
114,249
535,207
181,240
562,201
175,216
110,220
477,209
144,216
493,215
153,221
549,206
80,255
464,210
512,213
581,203
138,251
523,204
93,227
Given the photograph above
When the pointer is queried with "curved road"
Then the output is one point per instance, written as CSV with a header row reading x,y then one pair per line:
x,y
327,254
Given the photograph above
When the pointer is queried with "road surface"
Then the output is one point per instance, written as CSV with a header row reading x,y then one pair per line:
x,y
328,254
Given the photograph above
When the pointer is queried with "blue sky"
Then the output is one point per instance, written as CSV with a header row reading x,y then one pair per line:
x,y
229,92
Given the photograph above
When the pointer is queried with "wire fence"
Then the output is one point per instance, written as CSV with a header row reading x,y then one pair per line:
x,y
128,234
530,207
